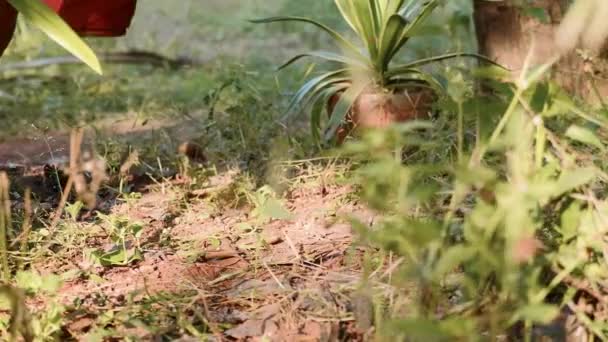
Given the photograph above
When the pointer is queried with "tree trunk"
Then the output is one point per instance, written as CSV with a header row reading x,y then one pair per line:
x,y
510,37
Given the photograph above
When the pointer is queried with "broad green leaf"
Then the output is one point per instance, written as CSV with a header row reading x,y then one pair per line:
x,y
570,220
537,313
116,257
452,258
419,329
34,282
538,13
361,17
540,97
348,14
273,208
42,17
414,24
389,8
369,28
96,279
137,230
389,38
585,136
120,257
572,179
377,18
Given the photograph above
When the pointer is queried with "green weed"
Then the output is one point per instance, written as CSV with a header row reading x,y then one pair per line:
x,y
125,235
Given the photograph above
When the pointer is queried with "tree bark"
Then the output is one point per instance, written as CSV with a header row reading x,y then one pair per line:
x,y
510,37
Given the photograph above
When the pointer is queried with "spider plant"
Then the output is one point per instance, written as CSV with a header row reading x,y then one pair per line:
x,y
382,28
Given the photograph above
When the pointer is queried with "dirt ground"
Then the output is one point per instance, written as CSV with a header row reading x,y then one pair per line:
x,y
285,283
213,266
246,276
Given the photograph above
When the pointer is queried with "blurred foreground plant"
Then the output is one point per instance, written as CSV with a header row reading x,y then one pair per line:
x,y
504,241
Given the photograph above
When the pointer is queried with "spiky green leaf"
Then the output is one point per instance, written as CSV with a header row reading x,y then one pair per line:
x,y
42,17
342,42
424,61
343,107
326,55
315,85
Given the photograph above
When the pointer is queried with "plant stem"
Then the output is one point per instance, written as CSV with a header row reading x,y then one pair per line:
x,y
26,227
528,331
597,93
460,132
498,130
541,142
4,219
477,128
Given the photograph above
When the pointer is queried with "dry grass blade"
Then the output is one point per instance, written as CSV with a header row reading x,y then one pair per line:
x,y
75,145
20,320
26,227
5,218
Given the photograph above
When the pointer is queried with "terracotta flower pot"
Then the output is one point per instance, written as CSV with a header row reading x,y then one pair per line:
x,y
376,109
101,18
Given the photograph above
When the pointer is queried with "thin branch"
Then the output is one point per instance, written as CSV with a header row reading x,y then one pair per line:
x,y
128,57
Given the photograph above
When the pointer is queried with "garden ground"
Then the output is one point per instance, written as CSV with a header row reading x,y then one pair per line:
x,y
219,254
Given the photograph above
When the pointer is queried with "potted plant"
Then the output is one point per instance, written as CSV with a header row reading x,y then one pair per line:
x,y
367,88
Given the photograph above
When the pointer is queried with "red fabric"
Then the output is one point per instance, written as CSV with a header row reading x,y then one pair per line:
x,y
106,18
101,18
8,20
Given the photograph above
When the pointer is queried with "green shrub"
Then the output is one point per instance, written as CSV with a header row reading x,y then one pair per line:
x,y
504,239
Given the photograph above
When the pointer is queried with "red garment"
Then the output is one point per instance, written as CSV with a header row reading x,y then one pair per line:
x,y
100,18
106,18
8,20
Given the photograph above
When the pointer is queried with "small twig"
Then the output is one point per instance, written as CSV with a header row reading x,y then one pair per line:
x,y
391,268
6,203
220,255
292,246
128,57
273,275
581,286
75,144
26,227
586,321
226,277
5,217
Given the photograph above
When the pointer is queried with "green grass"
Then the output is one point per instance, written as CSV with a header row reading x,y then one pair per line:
x,y
217,34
